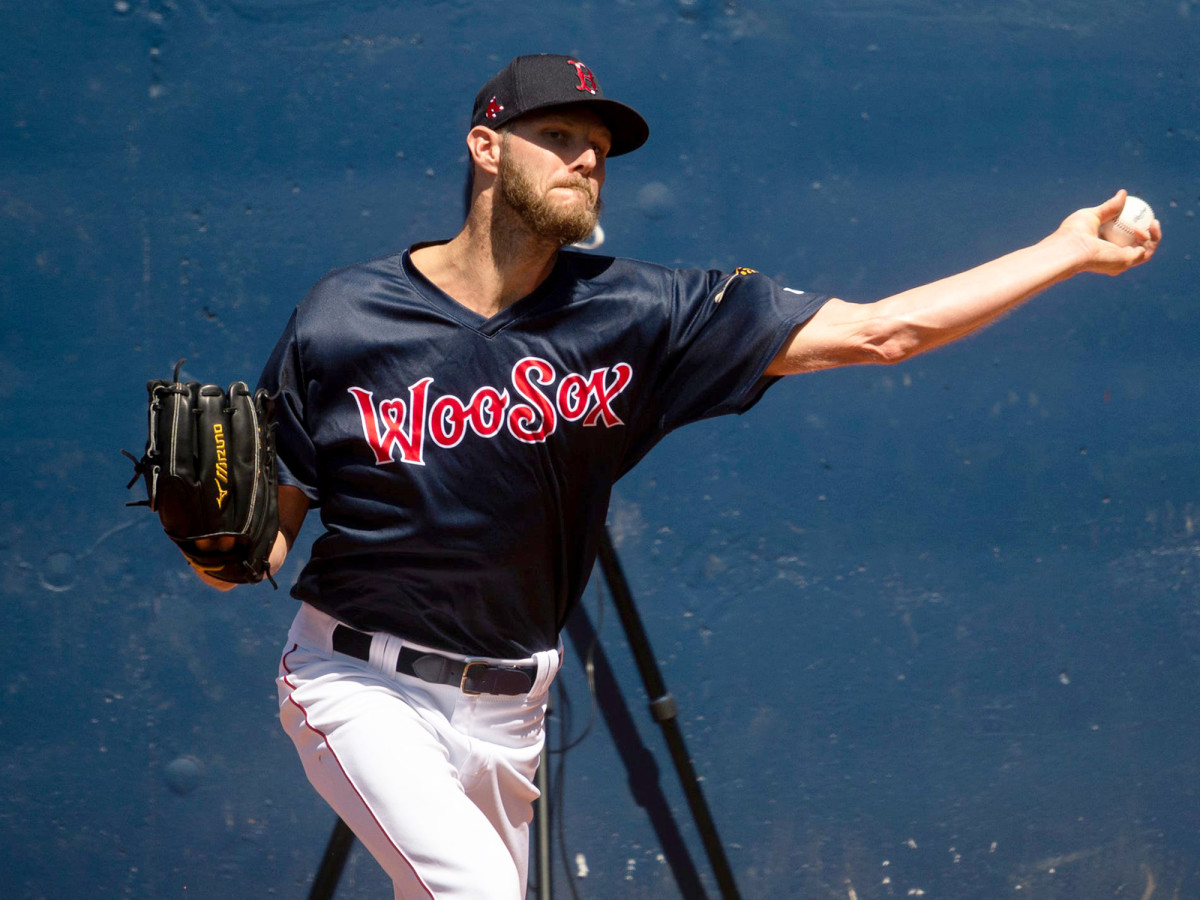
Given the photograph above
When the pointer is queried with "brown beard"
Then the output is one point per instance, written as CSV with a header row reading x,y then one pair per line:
x,y
551,223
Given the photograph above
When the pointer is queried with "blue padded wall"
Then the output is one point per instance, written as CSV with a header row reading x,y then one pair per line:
x,y
934,629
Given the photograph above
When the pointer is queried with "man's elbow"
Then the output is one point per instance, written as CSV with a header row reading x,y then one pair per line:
x,y
888,343
873,340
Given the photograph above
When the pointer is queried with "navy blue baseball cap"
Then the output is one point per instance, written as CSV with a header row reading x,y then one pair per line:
x,y
531,83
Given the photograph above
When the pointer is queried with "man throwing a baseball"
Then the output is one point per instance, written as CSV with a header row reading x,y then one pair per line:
x,y
459,412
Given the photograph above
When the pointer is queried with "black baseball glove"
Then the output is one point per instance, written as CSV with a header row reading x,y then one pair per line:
x,y
210,475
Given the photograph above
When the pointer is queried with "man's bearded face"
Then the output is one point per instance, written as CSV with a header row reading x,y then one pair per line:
x,y
562,223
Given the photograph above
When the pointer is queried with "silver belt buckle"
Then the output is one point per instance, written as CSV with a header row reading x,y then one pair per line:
x,y
466,673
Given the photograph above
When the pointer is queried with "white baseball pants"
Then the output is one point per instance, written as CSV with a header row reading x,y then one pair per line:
x,y
437,784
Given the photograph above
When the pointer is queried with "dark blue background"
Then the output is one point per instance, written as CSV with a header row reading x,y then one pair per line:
x,y
932,628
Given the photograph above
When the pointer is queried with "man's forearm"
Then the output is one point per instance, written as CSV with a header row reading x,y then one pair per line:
x,y
942,311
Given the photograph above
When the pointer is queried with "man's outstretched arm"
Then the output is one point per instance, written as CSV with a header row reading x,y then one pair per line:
x,y
916,320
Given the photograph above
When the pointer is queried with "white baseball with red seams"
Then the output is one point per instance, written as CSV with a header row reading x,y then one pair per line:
x,y
1136,215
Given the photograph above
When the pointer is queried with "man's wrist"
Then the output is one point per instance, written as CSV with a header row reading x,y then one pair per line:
x,y
1073,251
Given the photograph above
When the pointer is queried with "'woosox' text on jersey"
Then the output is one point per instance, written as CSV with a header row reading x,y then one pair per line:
x,y
402,425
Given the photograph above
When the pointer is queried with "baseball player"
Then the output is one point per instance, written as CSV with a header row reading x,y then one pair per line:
x,y
458,413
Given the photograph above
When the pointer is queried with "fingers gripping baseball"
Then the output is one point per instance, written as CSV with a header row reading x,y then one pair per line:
x,y
1115,236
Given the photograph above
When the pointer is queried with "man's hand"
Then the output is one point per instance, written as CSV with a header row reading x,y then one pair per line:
x,y
1104,256
206,578
293,506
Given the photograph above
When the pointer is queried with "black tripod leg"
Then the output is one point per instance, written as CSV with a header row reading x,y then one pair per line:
x,y
663,708
541,819
639,761
336,851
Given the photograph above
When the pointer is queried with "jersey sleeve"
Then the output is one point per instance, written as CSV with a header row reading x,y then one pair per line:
x,y
283,376
725,330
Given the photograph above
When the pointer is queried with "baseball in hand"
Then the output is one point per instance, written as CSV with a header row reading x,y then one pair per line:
x,y
1136,215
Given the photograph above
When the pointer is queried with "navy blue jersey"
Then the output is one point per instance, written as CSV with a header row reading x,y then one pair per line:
x,y
463,465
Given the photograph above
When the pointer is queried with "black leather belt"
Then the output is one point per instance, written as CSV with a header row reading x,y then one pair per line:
x,y
471,676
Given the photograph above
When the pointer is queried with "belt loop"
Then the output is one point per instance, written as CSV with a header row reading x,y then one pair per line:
x,y
548,663
385,651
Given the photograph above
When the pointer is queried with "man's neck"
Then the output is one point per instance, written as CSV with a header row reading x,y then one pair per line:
x,y
489,265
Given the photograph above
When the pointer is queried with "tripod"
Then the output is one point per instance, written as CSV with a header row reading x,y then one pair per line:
x,y
639,762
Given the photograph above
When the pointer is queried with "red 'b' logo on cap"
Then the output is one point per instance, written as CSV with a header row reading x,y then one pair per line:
x,y
587,81
493,108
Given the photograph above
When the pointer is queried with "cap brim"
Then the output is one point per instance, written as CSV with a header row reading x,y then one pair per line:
x,y
629,130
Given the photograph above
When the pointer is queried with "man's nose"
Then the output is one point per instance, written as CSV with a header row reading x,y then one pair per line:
x,y
586,162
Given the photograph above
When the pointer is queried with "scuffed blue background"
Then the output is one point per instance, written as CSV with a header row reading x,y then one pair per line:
x,y
933,628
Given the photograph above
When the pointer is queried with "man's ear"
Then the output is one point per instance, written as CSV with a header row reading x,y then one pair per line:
x,y
484,146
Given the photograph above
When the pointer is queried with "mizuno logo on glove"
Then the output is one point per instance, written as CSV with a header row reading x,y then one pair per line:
x,y
221,467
